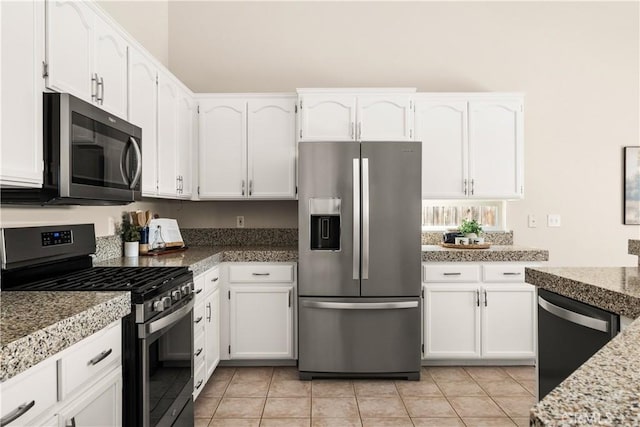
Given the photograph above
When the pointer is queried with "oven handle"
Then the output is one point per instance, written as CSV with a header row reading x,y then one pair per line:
x,y
169,320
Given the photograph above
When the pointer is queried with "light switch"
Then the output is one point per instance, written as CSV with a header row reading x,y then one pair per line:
x,y
553,220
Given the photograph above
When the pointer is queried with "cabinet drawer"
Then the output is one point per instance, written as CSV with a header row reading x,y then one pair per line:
x,y
91,356
37,385
211,280
198,351
198,380
503,273
198,285
261,273
451,273
198,319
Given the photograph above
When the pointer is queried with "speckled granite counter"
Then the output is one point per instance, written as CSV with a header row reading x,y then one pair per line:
x,y
605,390
202,258
37,325
506,253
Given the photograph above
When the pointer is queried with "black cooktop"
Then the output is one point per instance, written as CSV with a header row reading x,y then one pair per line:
x,y
140,281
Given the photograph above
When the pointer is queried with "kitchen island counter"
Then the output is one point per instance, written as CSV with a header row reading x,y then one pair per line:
x,y
495,253
605,390
37,325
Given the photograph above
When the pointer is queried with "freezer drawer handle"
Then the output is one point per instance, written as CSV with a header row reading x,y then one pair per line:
x,y
570,316
361,305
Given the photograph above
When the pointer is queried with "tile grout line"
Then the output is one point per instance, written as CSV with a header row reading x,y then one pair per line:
x,y
447,397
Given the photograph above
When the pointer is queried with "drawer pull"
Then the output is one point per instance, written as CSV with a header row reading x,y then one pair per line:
x,y
198,291
215,279
199,384
511,273
261,274
16,413
452,274
99,358
198,352
198,320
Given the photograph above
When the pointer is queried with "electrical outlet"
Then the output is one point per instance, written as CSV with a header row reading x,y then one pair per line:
x,y
553,220
533,221
240,221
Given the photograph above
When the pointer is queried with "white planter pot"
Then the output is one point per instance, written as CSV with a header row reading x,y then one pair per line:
x,y
130,249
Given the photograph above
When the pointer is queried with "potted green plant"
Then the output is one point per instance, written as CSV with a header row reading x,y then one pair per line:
x,y
130,236
470,228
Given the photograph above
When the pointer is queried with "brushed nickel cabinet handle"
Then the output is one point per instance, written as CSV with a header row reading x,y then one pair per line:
x,y
16,413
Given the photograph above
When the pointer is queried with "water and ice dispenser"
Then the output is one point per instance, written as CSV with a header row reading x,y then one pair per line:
x,y
324,215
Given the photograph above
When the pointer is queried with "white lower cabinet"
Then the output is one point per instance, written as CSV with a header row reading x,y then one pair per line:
x,y
492,315
81,385
206,328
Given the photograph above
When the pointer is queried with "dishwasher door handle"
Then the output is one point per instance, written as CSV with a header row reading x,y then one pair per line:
x,y
573,317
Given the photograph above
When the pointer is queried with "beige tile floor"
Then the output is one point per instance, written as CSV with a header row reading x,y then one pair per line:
x,y
444,396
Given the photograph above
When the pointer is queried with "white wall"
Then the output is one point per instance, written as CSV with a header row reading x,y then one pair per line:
x,y
577,63
146,20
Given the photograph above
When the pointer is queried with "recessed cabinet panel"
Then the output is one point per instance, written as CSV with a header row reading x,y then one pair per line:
x,y
495,149
111,66
385,118
22,36
223,148
441,125
167,136
271,156
70,48
212,332
142,112
328,118
184,144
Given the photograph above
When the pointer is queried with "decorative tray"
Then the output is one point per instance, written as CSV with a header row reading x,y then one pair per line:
x,y
474,246
166,251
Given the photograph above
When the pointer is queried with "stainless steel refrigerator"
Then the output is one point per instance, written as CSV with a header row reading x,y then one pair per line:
x,y
359,259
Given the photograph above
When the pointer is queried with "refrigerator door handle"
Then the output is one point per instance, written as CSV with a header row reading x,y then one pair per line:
x,y
361,305
356,219
573,317
365,218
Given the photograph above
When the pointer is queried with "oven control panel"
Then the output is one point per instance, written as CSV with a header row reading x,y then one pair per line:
x,y
52,238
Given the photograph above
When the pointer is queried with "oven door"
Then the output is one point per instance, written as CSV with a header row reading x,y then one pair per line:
x,y
167,368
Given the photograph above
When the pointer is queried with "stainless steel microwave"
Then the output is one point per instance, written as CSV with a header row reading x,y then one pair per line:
x,y
91,157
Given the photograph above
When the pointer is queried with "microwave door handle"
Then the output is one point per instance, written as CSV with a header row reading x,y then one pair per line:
x,y
136,150
124,170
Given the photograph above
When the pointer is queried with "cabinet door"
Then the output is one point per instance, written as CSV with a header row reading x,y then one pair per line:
x,y
100,405
143,99
212,332
441,125
70,48
21,85
496,149
509,321
167,136
261,322
110,52
271,154
385,118
223,145
452,321
186,110
327,118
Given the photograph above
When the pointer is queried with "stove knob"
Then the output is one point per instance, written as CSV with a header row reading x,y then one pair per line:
x,y
186,290
158,306
176,295
166,301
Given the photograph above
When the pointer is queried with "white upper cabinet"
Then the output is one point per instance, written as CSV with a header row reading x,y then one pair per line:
x,y
271,154
496,146
111,67
143,99
86,56
167,136
184,144
247,147
21,85
356,115
472,145
222,140
441,125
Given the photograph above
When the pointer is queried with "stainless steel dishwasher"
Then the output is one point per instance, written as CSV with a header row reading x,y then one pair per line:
x,y
569,333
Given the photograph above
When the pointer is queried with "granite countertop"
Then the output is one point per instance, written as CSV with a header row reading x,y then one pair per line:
x,y
37,325
605,390
505,253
